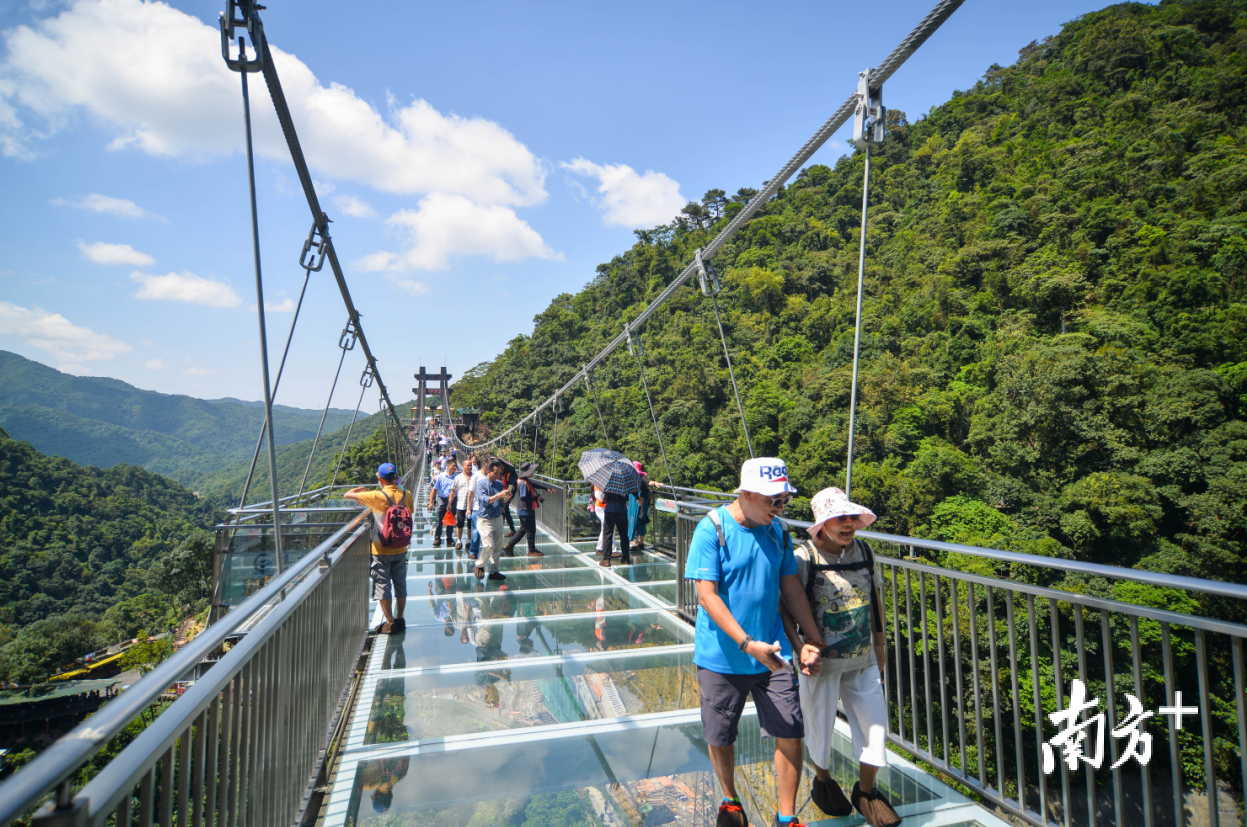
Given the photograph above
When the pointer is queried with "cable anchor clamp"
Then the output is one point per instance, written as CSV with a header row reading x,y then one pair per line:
x,y
313,256
706,275
242,14
870,116
365,380
349,335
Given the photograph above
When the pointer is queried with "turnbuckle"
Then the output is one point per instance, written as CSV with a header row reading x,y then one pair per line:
x,y
313,256
870,115
242,14
706,273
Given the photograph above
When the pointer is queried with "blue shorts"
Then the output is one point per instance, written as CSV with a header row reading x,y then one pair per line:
x,y
389,573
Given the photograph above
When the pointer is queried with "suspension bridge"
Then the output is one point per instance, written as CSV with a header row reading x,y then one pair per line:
x,y
571,686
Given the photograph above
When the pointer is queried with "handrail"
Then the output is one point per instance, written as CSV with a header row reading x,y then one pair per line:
x,y
56,765
1151,578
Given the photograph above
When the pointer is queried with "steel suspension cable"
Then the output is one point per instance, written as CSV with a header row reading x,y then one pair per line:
x,y
589,381
640,363
321,427
554,441
385,422
919,35
259,293
276,384
349,429
715,304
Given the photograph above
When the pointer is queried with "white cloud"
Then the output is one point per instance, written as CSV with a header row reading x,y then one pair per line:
x,y
156,364
355,207
57,335
445,225
201,372
121,207
628,199
174,97
412,288
286,306
186,287
103,253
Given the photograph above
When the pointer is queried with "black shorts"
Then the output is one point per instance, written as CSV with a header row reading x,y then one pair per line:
x,y
775,694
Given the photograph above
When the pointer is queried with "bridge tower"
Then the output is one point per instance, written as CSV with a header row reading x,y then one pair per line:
x,y
442,387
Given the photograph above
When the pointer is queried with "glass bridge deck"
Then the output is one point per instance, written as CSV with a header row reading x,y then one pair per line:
x,y
565,695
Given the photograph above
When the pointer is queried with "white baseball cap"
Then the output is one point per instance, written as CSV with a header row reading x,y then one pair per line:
x,y
767,476
831,503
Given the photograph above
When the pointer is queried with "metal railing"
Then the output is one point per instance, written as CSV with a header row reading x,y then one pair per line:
x,y
256,722
955,704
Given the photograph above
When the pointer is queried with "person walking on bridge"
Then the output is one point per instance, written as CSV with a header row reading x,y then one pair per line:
x,y
526,510
841,582
388,570
487,497
443,485
741,558
459,498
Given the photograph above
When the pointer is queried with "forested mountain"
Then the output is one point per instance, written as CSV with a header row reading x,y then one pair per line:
x,y
1054,353
88,556
100,421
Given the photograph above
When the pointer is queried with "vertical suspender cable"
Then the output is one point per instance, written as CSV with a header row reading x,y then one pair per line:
x,y
347,441
857,333
594,391
259,293
640,363
255,455
321,427
554,439
732,374
385,422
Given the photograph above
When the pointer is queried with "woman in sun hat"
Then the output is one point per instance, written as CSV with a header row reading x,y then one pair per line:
x,y
845,591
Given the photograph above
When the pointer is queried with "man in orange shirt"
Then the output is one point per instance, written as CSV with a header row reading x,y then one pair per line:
x,y
389,565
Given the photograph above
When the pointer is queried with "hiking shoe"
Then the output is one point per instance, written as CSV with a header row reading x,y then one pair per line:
x,y
497,575
399,625
829,798
385,628
437,544
536,553
606,564
731,814
508,550
874,807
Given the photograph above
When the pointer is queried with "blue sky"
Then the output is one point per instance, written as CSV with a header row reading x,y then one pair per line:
x,y
477,159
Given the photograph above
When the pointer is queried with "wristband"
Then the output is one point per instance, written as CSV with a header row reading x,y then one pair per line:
x,y
744,644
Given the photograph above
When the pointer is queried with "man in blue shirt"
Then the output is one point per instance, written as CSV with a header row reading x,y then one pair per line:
x,y
487,497
743,563
442,485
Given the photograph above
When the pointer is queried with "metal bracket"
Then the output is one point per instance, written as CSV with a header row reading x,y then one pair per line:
x,y
639,348
349,336
365,381
319,241
870,115
706,274
242,14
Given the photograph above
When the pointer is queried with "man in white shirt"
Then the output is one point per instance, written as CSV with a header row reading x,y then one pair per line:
x,y
459,498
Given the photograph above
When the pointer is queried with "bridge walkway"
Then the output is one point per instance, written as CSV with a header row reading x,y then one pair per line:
x,y
569,688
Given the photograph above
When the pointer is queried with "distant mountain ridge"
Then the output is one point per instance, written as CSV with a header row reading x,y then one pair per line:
x,y
103,421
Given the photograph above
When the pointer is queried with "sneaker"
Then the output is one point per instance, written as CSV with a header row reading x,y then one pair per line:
x,y
437,544
508,550
829,798
606,564
497,575
399,625
874,807
385,628
793,823
731,814
536,554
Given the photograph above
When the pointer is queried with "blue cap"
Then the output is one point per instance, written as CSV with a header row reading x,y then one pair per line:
x,y
386,470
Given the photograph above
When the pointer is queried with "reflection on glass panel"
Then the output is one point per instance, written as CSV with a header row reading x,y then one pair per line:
x,y
446,593
646,572
250,559
639,777
509,694
492,627
547,579
439,561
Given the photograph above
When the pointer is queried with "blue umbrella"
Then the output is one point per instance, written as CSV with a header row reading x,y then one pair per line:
x,y
610,471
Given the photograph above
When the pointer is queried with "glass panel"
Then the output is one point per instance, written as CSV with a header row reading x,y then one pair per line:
x,y
646,573
637,777
479,639
512,695
664,592
443,603
440,561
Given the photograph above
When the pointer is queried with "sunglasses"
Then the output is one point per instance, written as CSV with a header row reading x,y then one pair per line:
x,y
780,502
